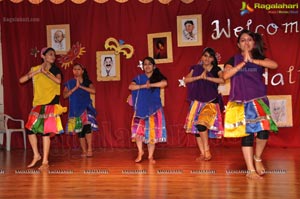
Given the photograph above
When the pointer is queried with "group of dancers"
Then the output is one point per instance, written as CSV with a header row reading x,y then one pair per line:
x,y
247,112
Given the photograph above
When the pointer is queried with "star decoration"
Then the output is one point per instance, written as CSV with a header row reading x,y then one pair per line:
x,y
34,52
140,65
181,82
218,56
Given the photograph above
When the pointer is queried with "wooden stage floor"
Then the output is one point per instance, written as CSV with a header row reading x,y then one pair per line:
x,y
112,173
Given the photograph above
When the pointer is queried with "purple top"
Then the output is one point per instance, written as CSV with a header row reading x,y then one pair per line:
x,y
247,84
203,90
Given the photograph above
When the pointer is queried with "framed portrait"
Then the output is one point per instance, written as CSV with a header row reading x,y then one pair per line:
x,y
58,37
224,89
189,30
108,66
281,110
160,47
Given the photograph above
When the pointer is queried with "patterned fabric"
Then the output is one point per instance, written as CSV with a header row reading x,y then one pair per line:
x,y
75,124
206,114
45,119
81,110
151,129
241,119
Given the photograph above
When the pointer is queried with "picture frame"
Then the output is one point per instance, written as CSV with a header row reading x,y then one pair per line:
x,y
189,30
108,66
160,47
224,89
58,37
281,110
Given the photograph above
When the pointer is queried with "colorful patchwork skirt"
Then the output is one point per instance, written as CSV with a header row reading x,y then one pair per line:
x,y
75,124
150,130
243,118
45,119
206,114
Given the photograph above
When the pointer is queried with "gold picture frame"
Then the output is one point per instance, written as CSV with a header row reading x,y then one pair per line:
x,y
189,30
160,47
281,110
58,37
224,88
108,66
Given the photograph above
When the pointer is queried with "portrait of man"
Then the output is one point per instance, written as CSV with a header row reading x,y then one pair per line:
x,y
58,39
108,66
278,110
281,110
189,32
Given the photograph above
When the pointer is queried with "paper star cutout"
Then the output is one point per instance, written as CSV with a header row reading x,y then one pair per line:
x,y
34,52
140,65
181,82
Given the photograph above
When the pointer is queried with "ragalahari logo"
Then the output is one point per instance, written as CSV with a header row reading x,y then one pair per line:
x,y
246,8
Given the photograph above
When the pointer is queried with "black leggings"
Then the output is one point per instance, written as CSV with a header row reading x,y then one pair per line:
x,y
85,130
200,128
249,140
29,132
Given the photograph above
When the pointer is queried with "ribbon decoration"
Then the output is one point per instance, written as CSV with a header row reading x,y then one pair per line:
x,y
112,44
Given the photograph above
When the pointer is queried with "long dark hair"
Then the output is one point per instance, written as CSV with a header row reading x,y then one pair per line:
x,y
259,48
85,75
156,76
212,53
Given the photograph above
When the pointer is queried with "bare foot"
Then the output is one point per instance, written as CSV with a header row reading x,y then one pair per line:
x,y
260,169
44,167
207,155
151,161
253,175
89,154
200,158
34,161
139,157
